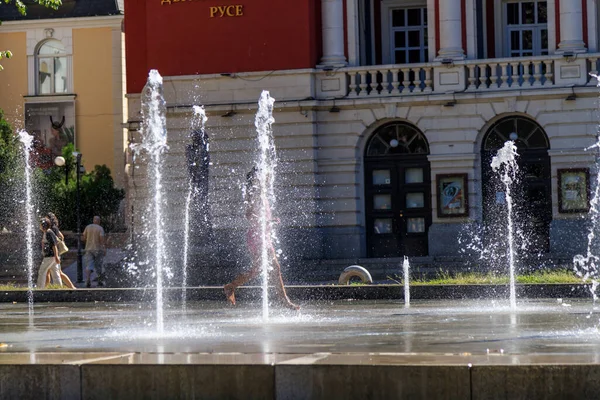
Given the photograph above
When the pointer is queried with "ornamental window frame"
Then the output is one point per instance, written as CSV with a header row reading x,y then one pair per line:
x,y
388,30
501,31
396,138
35,37
520,28
51,60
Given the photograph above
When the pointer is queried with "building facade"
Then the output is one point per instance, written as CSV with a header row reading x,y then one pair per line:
x,y
388,115
66,79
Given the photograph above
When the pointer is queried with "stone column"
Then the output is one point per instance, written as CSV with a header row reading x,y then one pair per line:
x,y
450,31
332,16
571,27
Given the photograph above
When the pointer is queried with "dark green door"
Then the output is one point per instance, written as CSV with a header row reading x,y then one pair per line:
x,y
397,192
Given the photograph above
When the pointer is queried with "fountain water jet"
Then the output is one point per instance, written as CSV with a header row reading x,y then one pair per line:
x,y
27,141
406,267
154,142
266,165
186,245
588,267
505,163
197,156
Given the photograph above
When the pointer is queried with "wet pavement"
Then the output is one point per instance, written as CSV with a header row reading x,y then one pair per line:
x,y
459,349
538,330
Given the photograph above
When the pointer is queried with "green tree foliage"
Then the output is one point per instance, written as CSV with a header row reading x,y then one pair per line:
x,y
54,189
11,175
98,195
4,54
22,8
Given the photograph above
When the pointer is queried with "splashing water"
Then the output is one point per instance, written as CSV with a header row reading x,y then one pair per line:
x,y
587,266
197,126
406,267
505,163
154,142
267,163
27,141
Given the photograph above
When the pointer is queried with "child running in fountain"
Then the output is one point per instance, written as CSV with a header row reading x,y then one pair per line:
x,y
254,244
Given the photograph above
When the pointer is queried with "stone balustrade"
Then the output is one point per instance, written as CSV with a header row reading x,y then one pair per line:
x,y
472,75
390,80
509,73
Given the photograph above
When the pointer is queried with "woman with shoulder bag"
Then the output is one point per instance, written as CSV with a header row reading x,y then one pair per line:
x,y
61,239
51,261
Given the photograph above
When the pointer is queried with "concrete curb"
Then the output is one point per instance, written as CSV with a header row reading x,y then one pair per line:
x,y
312,376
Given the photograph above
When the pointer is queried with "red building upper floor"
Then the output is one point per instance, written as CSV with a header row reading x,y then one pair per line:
x,y
189,37
201,37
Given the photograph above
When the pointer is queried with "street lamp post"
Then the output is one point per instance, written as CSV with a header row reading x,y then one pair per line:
x,y
60,161
79,258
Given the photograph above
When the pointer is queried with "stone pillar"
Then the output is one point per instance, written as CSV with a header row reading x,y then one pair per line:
x,y
332,16
571,27
450,31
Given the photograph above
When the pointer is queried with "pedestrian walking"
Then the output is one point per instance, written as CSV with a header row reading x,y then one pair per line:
x,y
51,259
54,227
95,250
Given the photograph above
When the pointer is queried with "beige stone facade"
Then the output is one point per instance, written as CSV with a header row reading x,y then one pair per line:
x,y
385,147
321,179
88,84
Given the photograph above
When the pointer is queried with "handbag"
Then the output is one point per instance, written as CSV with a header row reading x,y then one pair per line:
x,y
62,247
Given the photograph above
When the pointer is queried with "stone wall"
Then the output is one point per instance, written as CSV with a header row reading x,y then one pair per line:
x,y
320,181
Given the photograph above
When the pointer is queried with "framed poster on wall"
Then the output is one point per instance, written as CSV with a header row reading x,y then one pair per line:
x,y
452,195
573,190
52,125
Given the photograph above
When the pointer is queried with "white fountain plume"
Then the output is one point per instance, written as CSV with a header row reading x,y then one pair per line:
x,y
406,267
587,266
505,162
197,122
267,164
27,141
154,142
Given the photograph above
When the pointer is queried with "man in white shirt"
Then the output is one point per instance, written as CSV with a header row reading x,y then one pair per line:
x,y
95,250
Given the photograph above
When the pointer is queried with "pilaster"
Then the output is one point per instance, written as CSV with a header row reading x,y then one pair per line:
x,y
451,46
571,27
332,17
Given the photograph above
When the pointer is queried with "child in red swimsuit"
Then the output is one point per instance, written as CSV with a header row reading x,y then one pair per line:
x,y
254,244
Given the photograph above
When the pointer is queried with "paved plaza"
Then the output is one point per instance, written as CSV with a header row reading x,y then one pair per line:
x,y
340,349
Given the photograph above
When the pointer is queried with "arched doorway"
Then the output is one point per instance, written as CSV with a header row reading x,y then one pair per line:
x,y
532,198
397,191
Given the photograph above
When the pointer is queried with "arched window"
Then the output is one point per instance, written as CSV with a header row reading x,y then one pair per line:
x,y
532,192
51,62
526,133
397,138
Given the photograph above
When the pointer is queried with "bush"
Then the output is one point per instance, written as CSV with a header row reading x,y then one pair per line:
x,y
11,176
98,195
55,188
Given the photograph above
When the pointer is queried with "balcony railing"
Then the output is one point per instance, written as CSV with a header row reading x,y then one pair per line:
x,y
479,75
509,73
391,80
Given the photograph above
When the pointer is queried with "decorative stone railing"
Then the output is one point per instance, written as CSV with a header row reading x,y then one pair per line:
x,y
509,73
390,80
471,75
